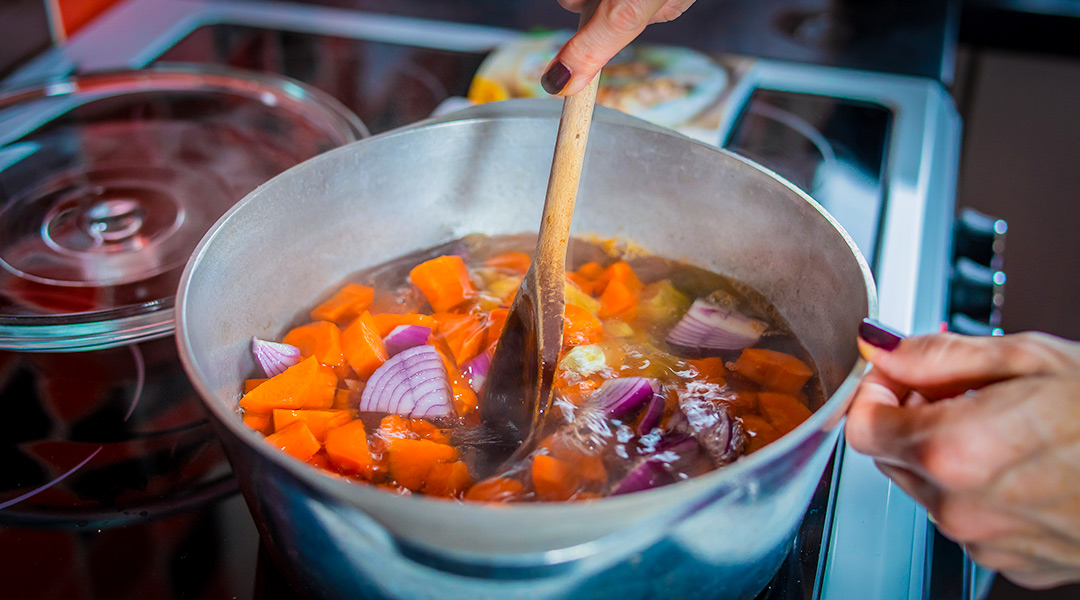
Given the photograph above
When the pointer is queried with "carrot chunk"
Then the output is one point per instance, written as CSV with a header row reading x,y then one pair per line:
x,y
345,305
464,334
759,432
444,281
363,346
580,327
412,460
250,384
589,277
319,421
385,323
496,322
782,411
304,385
465,400
347,447
618,300
775,371
344,400
710,369
321,339
428,431
553,479
448,480
260,422
518,262
623,273
495,489
297,440
589,466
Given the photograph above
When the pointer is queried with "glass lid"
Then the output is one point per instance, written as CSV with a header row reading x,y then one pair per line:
x,y
108,182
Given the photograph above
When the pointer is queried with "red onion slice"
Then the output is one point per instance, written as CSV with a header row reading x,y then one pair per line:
x,y
413,383
619,398
476,370
274,357
707,326
404,337
647,475
653,411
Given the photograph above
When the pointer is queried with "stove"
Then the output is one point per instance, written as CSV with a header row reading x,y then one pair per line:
x,y
878,151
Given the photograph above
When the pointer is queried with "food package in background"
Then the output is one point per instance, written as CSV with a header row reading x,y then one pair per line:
x,y
671,87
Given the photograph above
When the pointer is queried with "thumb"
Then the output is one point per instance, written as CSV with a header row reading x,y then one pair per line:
x,y
614,25
946,365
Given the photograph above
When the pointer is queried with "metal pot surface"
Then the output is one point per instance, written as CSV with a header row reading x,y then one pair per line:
x,y
485,170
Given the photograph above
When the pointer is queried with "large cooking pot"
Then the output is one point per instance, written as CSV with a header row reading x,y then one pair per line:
x,y
722,535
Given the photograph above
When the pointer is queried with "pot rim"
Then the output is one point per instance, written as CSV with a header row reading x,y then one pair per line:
x,y
826,418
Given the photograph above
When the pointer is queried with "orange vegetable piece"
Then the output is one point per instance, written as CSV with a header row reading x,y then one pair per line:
x,y
385,323
444,281
318,421
260,422
759,432
250,384
591,271
782,411
465,400
580,327
517,262
464,335
428,431
304,385
775,371
321,339
618,300
448,480
589,466
343,400
345,305
495,489
553,479
363,346
321,460
711,369
412,460
496,322
297,440
347,447
623,273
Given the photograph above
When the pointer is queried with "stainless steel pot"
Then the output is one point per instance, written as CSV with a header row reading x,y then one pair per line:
x,y
484,170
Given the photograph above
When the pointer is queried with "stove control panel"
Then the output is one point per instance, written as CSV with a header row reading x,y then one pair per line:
x,y
976,292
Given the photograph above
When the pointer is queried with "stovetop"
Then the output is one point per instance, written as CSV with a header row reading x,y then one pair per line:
x,y
169,524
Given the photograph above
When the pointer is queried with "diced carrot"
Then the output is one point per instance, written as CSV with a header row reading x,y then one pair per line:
x,y
464,334
250,384
578,390
394,426
428,431
465,400
744,403
345,305
385,323
710,369
496,322
344,400
363,346
582,496
618,300
782,411
297,440
322,461
621,271
759,432
321,339
495,489
553,479
444,281
580,327
260,422
588,465
412,460
775,371
590,270
517,262
304,385
584,284
347,447
319,421
448,480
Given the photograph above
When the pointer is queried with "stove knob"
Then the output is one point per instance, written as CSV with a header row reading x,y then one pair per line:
x,y
980,238
976,291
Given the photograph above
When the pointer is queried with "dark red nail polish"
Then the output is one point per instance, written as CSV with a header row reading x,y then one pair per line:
x,y
555,78
878,335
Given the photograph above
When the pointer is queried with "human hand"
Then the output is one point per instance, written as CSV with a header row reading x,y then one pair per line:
x,y
614,25
985,433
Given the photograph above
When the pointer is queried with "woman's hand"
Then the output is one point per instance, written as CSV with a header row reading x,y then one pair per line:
x,y
984,432
615,24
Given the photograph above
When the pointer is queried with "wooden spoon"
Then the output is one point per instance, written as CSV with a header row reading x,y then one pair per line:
x,y
520,382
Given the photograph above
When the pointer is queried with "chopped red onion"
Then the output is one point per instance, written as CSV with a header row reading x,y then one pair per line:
x,y
413,383
647,475
707,326
619,398
476,370
720,434
274,357
404,337
653,411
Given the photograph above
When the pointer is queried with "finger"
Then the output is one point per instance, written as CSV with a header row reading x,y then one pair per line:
x,y
946,365
876,423
920,490
572,5
615,24
671,11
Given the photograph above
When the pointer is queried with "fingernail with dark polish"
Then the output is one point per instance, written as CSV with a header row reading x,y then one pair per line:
x,y
555,78
878,335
